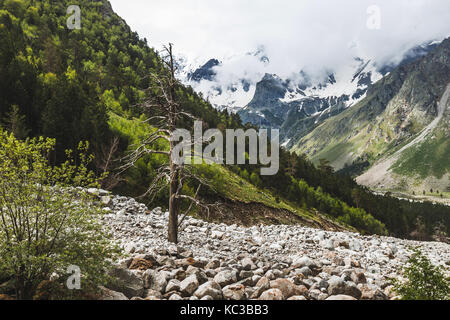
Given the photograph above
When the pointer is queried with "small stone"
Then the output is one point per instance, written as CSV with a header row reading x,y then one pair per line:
x,y
305,271
248,264
276,246
217,235
352,290
314,294
358,277
173,285
288,288
155,280
262,285
140,264
175,296
189,285
245,274
234,292
336,286
213,264
340,297
108,294
372,294
272,294
209,288
297,298
300,262
128,282
130,247
152,293
328,244
106,200
226,277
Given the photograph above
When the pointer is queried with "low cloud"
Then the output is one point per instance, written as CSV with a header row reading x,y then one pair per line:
x,y
313,35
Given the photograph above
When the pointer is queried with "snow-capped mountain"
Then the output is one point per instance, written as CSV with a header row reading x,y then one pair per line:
x,y
228,83
295,105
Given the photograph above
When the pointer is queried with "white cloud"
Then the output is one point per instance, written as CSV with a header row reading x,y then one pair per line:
x,y
296,34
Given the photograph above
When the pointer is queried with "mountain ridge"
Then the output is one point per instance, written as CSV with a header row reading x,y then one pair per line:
x,y
396,110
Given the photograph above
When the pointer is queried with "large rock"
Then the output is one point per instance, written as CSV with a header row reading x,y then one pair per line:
x,y
306,271
108,294
173,285
226,277
150,294
189,285
358,277
297,298
217,234
300,262
340,297
175,296
128,282
155,280
262,285
288,288
234,292
248,264
352,290
199,273
140,264
369,293
211,289
130,247
272,294
213,264
337,286
245,274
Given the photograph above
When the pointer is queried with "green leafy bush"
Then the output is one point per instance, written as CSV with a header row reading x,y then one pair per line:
x,y
47,224
424,280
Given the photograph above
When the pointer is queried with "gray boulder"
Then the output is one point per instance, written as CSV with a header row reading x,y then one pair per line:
x,y
155,280
225,278
189,285
128,282
211,289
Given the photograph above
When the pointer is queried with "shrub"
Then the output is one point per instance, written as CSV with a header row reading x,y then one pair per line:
x,y
424,280
46,224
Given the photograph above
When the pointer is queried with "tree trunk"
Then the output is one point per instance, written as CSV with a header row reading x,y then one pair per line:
x,y
174,170
173,205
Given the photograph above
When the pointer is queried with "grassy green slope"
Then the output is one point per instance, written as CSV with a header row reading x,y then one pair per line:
x,y
225,183
395,110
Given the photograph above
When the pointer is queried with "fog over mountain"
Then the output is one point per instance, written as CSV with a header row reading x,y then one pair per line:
x,y
316,36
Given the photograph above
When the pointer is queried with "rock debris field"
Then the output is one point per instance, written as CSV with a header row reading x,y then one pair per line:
x,y
270,262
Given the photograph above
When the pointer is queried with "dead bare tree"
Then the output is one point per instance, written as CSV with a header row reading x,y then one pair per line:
x,y
164,112
106,162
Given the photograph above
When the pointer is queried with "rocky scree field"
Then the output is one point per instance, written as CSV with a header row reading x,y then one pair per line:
x,y
265,262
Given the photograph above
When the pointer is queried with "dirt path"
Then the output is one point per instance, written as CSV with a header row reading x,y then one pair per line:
x,y
379,173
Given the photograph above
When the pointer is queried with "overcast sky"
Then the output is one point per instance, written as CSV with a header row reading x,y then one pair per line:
x,y
294,33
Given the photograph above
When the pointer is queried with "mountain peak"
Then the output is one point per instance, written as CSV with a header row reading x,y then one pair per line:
x,y
205,72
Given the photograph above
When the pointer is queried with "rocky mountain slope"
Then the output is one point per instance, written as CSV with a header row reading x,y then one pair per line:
x,y
394,117
266,262
294,105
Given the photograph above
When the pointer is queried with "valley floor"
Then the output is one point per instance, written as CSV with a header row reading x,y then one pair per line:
x,y
218,261
428,197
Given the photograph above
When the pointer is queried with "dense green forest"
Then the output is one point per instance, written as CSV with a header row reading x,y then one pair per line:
x,y
87,84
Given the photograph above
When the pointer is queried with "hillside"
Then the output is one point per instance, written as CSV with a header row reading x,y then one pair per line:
x,y
102,196
401,128
88,84
232,262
